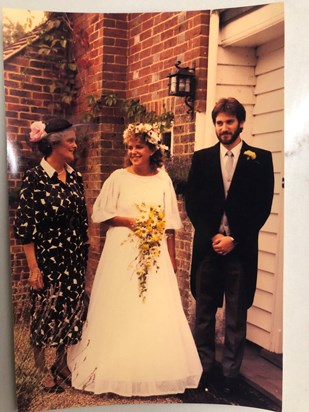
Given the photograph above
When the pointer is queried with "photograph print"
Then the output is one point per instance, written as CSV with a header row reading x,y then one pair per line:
x,y
145,175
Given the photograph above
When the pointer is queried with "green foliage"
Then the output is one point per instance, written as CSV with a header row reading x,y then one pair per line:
x,y
178,169
96,104
54,44
133,110
12,31
137,112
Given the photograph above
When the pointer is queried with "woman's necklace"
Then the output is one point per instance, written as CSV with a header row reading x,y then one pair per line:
x,y
62,171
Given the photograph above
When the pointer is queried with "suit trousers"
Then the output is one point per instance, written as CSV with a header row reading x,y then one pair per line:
x,y
219,276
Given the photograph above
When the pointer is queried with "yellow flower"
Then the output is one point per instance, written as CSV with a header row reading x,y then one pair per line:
x,y
148,234
250,154
138,233
161,226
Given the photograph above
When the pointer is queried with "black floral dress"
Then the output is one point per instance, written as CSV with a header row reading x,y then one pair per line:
x,y
53,216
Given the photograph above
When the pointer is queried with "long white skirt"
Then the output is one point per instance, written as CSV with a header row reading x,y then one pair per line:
x,y
130,347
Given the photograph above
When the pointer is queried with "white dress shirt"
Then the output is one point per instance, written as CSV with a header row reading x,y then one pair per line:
x,y
224,226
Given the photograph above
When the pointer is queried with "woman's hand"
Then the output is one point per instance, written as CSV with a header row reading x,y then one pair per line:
x,y
170,239
131,223
36,279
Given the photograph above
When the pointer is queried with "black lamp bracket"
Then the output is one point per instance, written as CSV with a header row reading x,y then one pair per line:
x,y
190,98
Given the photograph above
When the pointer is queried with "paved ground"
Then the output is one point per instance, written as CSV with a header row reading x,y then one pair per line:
x,y
245,395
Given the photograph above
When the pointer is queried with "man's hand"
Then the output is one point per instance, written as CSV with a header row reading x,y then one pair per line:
x,y
222,244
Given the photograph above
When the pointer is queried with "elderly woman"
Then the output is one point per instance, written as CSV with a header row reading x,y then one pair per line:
x,y
51,223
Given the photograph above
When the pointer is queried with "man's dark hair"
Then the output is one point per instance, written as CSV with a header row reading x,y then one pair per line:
x,y
230,106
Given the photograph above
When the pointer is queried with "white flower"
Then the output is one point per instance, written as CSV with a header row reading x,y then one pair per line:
x,y
37,131
151,133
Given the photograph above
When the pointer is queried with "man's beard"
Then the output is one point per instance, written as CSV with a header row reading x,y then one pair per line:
x,y
232,137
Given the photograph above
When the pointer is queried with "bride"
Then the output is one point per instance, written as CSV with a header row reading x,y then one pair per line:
x,y
136,340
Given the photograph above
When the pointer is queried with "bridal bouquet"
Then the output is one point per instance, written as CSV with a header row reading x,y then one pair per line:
x,y
148,233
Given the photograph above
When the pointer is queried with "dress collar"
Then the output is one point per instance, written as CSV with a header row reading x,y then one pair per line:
x,y
50,170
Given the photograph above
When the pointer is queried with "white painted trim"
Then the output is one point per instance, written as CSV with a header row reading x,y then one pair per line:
x,y
205,131
246,30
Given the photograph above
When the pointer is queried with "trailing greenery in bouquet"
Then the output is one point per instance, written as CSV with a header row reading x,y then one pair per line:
x,y
148,234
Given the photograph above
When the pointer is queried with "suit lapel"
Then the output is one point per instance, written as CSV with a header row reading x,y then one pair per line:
x,y
216,169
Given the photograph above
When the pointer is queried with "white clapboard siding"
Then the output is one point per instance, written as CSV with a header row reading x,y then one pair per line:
x,y
278,161
269,81
271,102
269,65
257,335
268,122
263,300
272,223
278,182
267,261
261,318
236,78
267,131
268,242
273,142
242,93
276,204
265,281
236,75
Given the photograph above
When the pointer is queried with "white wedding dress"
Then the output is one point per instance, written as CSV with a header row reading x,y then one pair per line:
x,y
129,346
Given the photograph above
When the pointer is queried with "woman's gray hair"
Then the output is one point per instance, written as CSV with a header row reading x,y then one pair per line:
x,y
56,137
46,145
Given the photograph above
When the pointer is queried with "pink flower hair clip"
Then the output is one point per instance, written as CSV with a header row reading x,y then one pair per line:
x,y
37,131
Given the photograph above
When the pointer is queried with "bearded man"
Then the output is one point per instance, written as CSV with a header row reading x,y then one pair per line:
x,y
228,200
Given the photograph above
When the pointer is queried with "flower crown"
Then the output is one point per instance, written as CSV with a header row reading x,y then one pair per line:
x,y
150,132
37,131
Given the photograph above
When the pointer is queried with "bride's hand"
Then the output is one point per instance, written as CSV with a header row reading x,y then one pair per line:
x,y
131,223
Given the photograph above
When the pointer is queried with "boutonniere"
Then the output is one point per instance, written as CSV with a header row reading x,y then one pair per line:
x,y
250,155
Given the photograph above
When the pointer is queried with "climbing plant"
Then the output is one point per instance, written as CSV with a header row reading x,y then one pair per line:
x,y
132,110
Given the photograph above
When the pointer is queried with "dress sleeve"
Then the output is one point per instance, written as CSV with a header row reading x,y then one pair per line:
x,y
25,225
173,220
105,206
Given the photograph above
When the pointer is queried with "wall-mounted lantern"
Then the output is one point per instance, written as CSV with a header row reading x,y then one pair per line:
x,y
182,83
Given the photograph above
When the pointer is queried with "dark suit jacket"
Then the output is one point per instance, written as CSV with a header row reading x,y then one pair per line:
x,y
247,205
